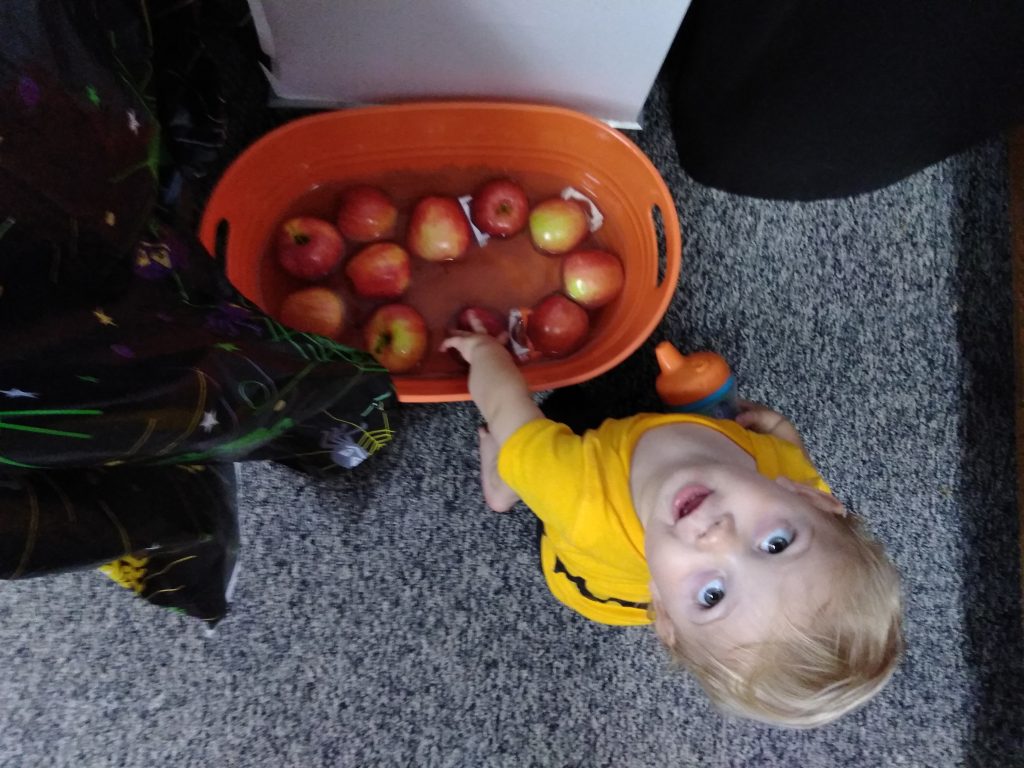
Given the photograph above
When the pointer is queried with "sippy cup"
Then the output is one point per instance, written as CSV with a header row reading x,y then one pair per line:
x,y
700,382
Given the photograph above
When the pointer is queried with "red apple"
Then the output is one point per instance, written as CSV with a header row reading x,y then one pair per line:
x,y
480,320
380,271
557,226
499,208
309,248
476,318
396,335
438,229
366,214
314,310
557,325
592,278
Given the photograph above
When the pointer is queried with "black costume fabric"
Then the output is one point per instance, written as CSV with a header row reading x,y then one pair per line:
x,y
132,374
806,99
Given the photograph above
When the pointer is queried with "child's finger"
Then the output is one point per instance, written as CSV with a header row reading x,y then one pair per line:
x,y
749,412
475,324
452,342
457,337
760,420
746,419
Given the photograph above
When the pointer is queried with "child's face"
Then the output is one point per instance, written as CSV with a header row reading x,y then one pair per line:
x,y
731,552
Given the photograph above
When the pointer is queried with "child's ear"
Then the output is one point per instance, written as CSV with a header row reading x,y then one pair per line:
x,y
821,501
663,626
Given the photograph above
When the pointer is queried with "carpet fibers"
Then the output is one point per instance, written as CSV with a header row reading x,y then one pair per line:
x,y
386,618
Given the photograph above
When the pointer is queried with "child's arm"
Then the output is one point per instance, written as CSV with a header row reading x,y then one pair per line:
x,y
495,384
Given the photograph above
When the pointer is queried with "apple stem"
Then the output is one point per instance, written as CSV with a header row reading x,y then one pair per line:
x,y
300,238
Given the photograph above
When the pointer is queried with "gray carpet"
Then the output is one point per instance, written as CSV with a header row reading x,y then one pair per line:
x,y
387,619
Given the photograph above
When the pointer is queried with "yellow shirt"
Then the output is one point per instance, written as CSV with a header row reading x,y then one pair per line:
x,y
592,549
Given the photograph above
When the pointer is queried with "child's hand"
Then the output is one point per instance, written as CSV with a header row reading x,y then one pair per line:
x,y
468,344
496,384
762,419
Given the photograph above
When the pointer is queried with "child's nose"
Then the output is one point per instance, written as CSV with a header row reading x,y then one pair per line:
x,y
720,534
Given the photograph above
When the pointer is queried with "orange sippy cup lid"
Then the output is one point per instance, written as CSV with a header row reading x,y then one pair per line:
x,y
687,378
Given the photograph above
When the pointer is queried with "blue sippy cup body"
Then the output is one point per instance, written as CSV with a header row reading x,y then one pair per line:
x,y
720,404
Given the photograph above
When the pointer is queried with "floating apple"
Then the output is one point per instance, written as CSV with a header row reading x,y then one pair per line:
x,y
396,335
592,278
309,248
557,325
314,310
438,229
500,208
366,213
481,320
557,226
380,271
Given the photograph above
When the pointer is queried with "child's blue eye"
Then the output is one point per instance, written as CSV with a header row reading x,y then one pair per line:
x,y
776,542
712,593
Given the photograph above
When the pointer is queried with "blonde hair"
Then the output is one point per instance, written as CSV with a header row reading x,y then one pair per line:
x,y
811,674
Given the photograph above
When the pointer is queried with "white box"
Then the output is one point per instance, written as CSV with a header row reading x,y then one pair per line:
x,y
596,56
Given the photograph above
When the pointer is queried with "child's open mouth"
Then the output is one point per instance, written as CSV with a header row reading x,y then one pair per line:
x,y
688,499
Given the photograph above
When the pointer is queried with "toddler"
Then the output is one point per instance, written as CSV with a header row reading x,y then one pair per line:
x,y
719,532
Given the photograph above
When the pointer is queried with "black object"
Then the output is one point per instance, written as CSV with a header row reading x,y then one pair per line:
x,y
805,99
132,374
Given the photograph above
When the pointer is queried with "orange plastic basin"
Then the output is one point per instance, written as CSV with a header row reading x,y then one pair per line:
x,y
358,144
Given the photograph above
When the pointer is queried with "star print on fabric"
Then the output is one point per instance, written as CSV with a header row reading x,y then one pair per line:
x,y
227,346
133,122
15,392
209,421
109,218
103,317
92,95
